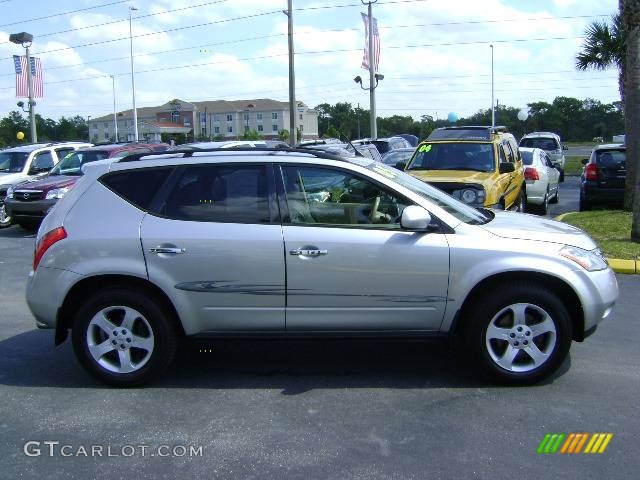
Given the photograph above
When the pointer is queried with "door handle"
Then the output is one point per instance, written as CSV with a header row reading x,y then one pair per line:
x,y
167,250
304,252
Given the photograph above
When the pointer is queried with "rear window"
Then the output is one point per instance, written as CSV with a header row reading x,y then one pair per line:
x,y
611,158
527,157
545,143
138,187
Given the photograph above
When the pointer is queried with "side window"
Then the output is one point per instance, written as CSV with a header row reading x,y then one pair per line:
x,y
334,197
42,162
137,187
63,152
219,193
503,156
508,152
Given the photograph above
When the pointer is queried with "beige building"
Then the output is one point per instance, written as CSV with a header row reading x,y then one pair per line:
x,y
210,119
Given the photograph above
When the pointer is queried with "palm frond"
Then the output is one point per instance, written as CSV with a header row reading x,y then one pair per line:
x,y
603,47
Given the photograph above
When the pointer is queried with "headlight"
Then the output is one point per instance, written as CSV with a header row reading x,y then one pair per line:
x,y
10,192
470,195
590,260
56,193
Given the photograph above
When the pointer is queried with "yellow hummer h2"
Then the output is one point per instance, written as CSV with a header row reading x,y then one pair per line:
x,y
479,165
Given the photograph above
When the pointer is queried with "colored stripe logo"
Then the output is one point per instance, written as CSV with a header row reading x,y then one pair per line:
x,y
574,443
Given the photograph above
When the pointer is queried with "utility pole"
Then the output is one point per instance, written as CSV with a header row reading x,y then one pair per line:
x,y
292,78
372,89
133,82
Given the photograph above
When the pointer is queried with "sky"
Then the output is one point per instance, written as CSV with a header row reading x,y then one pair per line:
x,y
435,55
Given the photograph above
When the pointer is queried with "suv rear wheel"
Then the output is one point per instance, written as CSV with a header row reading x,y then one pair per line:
x,y
123,338
521,336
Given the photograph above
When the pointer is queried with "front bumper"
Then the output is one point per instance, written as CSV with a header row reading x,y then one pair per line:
x,y
35,210
598,292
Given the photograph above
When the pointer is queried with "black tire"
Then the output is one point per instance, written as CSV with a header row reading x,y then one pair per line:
x,y
556,197
481,314
584,204
164,336
544,208
521,206
561,179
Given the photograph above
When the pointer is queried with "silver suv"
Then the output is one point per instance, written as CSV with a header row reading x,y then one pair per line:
x,y
294,243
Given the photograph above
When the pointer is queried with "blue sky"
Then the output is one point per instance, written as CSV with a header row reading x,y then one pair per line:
x,y
435,55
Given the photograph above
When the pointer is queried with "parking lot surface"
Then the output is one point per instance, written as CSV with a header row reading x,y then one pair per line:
x,y
311,409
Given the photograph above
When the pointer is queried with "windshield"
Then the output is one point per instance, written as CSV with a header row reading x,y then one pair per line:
x,y
478,157
548,143
72,163
460,210
12,162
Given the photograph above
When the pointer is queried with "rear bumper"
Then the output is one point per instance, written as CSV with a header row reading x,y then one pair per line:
x,y
593,192
46,291
35,210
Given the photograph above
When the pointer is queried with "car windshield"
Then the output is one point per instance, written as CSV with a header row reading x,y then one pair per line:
x,y
12,162
459,210
527,157
72,163
478,157
547,143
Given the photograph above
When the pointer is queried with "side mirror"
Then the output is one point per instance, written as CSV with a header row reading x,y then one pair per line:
x,y
564,147
507,167
415,218
584,161
401,165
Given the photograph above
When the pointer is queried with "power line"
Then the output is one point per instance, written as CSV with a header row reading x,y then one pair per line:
x,y
63,13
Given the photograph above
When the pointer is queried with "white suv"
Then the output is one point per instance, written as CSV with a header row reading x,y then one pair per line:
x,y
549,142
25,162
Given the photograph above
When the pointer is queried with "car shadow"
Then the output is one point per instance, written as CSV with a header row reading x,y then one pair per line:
x,y
16,231
292,366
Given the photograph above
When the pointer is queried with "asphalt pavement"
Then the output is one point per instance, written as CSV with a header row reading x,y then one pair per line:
x,y
311,409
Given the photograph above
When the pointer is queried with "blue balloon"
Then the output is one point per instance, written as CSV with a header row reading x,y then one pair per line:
x,y
452,117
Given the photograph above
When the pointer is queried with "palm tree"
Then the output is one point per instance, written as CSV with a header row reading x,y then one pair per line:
x,y
605,47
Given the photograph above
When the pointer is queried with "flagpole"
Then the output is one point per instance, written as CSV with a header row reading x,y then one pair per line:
x,y
493,106
372,91
32,115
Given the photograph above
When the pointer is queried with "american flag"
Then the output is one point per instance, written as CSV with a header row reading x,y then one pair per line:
x,y
376,44
22,86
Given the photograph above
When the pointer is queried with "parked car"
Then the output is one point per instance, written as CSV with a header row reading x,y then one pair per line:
x,y
479,165
28,202
384,144
603,177
549,142
27,162
542,179
339,149
222,144
412,139
392,157
368,150
144,250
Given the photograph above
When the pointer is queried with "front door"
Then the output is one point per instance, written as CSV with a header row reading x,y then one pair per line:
x,y
215,243
350,267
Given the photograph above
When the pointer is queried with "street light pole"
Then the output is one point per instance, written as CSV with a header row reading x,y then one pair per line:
x,y
493,105
25,39
372,90
89,126
133,82
292,78
115,118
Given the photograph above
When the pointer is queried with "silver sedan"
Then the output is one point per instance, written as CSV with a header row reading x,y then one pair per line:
x,y
542,179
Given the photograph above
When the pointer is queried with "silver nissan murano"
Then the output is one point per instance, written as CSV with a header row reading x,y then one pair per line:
x,y
295,243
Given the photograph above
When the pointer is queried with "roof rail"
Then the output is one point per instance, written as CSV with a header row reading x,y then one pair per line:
x,y
188,152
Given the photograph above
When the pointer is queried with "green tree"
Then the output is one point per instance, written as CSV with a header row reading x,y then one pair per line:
x,y
252,135
283,135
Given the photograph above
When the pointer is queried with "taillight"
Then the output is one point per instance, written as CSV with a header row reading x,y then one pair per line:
x,y
45,242
531,173
591,172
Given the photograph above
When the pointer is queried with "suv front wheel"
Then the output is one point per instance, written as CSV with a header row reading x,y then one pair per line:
x,y
521,335
123,338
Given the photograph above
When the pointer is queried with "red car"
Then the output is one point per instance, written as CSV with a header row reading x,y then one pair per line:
x,y
28,202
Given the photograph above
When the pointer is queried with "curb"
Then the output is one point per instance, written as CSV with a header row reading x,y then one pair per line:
x,y
618,265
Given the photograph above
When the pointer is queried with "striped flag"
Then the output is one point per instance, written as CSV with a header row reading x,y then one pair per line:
x,y
376,43
22,86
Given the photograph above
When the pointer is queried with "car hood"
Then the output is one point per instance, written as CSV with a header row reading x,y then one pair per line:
x,y
530,227
49,182
451,176
12,178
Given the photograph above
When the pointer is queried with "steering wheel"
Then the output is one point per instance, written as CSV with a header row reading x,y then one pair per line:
x,y
374,209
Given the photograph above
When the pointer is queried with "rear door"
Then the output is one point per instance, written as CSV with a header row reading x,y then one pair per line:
x,y
214,242
612,168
